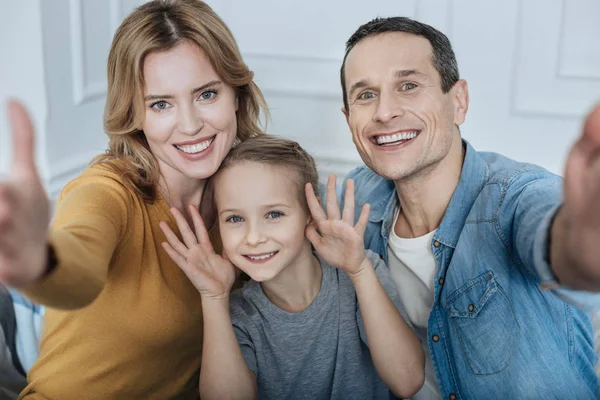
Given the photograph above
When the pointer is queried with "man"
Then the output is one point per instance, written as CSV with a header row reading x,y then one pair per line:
x,y
481,247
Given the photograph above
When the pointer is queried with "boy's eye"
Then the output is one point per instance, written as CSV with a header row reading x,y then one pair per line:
x,y
274,214
234,219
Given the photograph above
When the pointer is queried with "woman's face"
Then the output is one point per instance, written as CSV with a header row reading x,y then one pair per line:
x,y
190,113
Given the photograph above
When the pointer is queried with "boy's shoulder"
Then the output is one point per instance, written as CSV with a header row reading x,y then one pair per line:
x,y
243,301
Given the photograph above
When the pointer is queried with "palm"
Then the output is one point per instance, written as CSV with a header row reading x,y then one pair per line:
x,y
24,209
340,241
212,274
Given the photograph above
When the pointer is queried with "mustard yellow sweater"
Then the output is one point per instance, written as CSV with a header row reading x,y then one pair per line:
x,y
126,323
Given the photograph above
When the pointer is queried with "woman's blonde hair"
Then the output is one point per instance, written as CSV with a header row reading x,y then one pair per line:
x,y
160,25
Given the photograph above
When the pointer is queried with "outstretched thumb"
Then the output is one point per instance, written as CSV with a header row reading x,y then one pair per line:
x,y
23,164
591,128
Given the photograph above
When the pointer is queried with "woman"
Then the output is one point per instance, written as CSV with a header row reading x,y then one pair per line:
x,y
125,322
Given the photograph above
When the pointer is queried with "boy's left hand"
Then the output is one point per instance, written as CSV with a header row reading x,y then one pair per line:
x,y
338,240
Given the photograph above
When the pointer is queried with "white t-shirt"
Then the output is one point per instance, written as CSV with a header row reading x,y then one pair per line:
x,y
413,268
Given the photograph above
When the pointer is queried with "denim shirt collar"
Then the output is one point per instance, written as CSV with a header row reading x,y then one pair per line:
x,y
472,178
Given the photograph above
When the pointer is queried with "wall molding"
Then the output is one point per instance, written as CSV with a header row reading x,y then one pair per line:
x,y
66,171
85,91
561,73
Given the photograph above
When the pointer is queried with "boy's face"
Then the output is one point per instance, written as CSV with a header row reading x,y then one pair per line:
x,y
261,218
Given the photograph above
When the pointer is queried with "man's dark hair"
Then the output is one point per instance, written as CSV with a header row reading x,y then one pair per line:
x,y
443,60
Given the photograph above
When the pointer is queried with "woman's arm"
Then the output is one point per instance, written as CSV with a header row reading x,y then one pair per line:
x,y
89,224
82,240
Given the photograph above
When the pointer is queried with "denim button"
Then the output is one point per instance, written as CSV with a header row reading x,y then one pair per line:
x,y
435,338
452,396
441,281
471,307
437,244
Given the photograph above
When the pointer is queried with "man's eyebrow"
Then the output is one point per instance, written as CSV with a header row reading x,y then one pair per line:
x,y
358,85
403,73
196,90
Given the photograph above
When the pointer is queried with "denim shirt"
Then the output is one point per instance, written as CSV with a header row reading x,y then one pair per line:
x,y
493,332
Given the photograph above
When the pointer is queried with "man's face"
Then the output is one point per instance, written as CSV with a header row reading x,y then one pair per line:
x,y
401,121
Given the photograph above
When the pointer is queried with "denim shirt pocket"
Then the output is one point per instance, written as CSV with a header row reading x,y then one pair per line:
x,y
485,324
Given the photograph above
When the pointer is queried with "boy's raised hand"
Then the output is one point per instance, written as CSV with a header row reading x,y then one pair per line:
x,y
338,240
212,274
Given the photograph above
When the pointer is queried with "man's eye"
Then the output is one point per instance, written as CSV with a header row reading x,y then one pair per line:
x,y
366,95
408,86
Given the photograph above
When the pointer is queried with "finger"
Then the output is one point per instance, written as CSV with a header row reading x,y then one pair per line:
x,y
184,228
591,128
173,239
333,209
348,213
363,220
313,204
175,256
201,232
23,164
313,236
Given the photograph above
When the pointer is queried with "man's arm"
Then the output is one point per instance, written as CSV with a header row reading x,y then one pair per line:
x,y
526,216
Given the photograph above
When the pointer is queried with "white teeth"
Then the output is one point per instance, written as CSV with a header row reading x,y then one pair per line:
x,y
196,148
396,137
263,257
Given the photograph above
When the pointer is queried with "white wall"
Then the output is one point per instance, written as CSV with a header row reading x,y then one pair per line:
x,y
533,68
22,71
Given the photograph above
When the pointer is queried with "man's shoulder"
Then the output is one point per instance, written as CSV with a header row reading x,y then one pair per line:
x,y
505,171
368,185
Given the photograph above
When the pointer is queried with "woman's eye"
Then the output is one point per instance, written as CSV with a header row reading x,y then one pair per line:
x,y
160,105
208,95
408,86
366,95
234,219
274,214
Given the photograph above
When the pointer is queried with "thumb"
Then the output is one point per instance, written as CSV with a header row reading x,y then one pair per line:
x,y
23,164
591,128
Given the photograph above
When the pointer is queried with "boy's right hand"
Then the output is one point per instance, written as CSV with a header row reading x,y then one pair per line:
x,y
24,209
210,273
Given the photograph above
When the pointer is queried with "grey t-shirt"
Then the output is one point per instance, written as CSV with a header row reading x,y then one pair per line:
x,y
319,353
